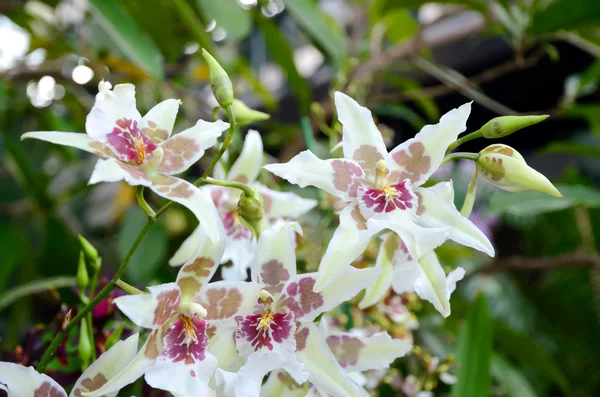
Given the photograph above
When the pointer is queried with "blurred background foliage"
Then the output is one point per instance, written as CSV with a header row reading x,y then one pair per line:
x,y
525,323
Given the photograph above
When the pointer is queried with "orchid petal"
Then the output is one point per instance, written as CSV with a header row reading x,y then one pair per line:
x,y
419,157
299,295
275,259
222,346
349,240
433,285
73,139
194,199
284,204
378,290
322,366
248,164
282,385
339,177
134,370
158,123
186,148
228,299
438,212
181,379
444,190
19,381
109,108
361,353
188,248
239,250
361,138
199,269
111,170
108,365
151,310
406,272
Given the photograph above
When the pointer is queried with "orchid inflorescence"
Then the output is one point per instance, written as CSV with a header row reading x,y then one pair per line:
x,y
224,337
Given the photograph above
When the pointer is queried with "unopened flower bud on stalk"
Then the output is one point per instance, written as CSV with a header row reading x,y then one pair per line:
x,y
499,127
504,167
88,249
219,81
251,212
245,115
85,345
82,277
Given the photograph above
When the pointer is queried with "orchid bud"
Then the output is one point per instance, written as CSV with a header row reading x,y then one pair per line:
x,y
504,167
88,249
219,81
499,127
82,279
85,346
245,115
251,212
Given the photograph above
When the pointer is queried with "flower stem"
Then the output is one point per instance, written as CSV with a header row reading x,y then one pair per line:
x,y
464,139
307,133
60,337
460,155
130,289
143,204
237,185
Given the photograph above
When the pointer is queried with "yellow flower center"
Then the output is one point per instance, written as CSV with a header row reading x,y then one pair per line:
x,y
141,150
188,325
265,320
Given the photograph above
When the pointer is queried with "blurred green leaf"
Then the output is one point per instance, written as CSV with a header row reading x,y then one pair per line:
x,y
407,86
566,14
34,287
511,380
400,25
151,252
534,203
590,112
310,18
571,148
380,8
527,352
399,112
10,246
229,15
127,36
281,51
474,352
195,26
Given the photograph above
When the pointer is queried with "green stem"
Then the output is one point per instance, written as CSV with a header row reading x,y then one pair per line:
x,y
130,289
467,206
464,139
460,155
60,337
143,204
237,185
307,133
215,113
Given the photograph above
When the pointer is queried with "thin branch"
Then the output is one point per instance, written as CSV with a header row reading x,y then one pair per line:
x,y
572,260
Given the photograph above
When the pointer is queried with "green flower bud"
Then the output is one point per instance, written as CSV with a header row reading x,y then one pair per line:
x,y
85,344
251,212
504,167
90,252
245,115
506,125
82,277
219,81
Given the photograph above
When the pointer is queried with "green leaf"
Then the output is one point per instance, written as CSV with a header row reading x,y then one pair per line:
x,y
230,16
127,36
408,86
282,53
566,14
399,112
589,111
311,19
11,248
194,26
7,298
525,350
534,203
400,25
474,352
511,381
151,252
380,8
572,148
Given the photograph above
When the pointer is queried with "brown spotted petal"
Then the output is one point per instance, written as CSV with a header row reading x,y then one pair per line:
x,y
20,381
111,170
246,167
186,148
194,199
419,157
72,139
151,310
227,299
158,123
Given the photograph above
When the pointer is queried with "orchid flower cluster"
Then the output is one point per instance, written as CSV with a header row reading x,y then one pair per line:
x,y
222,338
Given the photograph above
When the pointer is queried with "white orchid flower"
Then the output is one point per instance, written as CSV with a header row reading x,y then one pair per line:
x,y
354,352
425,275
382,190
281,332
141,151
240,245
20,381
181,315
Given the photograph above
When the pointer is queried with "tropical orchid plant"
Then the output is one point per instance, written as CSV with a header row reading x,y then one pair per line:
x,y
222,338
